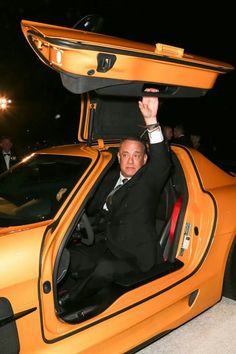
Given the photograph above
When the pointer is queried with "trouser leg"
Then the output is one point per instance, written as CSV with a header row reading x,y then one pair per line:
x,y
105,272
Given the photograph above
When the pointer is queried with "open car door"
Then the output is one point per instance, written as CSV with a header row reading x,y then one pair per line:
x,y
89,61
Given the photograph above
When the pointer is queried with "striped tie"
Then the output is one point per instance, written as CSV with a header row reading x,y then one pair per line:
x,y
110,195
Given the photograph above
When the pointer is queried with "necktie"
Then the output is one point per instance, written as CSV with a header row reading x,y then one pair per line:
x,y
110,195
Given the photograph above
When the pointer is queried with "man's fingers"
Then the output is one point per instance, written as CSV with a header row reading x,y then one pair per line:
x,y
151,89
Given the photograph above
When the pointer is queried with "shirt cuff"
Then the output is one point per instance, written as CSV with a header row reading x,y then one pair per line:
x,y
155,136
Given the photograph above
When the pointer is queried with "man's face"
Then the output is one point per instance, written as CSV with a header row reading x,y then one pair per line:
x,y
131,157
168,133
176,133
6,145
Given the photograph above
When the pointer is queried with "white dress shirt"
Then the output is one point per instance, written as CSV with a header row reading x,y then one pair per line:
x,y
7,158
155,136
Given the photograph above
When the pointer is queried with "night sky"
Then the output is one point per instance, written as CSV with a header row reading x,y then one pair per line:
x,y
36,90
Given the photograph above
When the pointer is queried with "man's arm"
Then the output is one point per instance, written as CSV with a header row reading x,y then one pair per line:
x,y
149,108
159,155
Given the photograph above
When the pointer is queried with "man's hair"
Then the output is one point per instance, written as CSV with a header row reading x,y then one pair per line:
x,y
4,137
180,128
141,141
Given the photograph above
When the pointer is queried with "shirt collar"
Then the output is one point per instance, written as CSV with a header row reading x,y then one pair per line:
x,y
123,177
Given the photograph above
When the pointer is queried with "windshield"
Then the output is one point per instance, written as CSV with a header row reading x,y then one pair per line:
x,y
33,191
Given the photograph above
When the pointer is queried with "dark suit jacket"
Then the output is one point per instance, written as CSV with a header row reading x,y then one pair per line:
x,y
131,232
13,160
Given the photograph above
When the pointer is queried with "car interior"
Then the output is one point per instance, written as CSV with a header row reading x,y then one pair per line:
x,y
169,220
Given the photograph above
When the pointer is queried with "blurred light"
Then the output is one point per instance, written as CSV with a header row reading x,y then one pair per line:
x,y
57,116
27,157
59,56
4,103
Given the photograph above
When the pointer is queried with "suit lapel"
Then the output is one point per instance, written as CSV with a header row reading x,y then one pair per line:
x,y
122,193
3,166
110,184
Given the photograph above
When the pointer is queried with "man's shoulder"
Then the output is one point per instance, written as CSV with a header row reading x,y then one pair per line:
x,y
157,148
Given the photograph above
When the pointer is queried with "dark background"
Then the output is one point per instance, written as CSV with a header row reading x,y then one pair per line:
x,y
38,95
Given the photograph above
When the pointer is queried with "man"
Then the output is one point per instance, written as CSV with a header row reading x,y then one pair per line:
x,y
168,133
131,240
180,137
7,157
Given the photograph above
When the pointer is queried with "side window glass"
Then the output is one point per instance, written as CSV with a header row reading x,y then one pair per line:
x,y
34,191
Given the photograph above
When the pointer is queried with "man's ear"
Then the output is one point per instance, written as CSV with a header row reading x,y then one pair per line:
x,y
145,158
118,156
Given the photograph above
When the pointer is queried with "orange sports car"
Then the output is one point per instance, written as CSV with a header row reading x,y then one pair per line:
x,y
47,222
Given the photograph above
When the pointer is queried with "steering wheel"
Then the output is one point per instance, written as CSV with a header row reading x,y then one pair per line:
x,y
85,230
63,265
